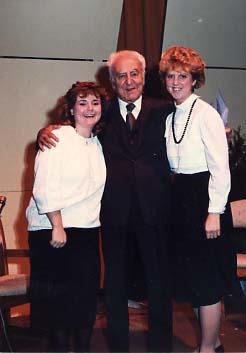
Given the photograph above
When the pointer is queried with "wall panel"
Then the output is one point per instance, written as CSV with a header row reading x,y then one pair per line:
x,y
86,29
217,30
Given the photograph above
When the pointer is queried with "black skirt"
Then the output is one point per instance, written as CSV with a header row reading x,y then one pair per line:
x,y
64,281
203,269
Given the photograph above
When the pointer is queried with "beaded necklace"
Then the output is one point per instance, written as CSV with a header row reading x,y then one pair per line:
x,y
186,124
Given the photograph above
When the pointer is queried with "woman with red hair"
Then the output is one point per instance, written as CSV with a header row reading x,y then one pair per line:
x,y
203,261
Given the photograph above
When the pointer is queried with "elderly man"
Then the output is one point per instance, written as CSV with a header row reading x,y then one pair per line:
x,y
135,201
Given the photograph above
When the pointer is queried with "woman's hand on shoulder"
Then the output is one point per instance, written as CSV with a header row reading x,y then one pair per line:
x,y
212,225
59,237
46,138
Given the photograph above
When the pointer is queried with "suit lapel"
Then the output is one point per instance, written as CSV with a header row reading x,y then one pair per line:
x,y
143,118
118,123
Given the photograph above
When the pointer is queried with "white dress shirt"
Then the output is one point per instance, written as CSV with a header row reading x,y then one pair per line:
x,y
203,148
69,177
136,110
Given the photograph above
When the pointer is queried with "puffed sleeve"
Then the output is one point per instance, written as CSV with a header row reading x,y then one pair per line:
x,y
47,191
217,157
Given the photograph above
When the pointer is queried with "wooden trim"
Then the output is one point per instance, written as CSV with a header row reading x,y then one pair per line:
x,y
16,253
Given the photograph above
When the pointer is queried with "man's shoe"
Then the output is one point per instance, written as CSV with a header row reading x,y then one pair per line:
x,y
220,349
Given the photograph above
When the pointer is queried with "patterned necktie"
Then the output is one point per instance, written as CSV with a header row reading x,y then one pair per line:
x,y
130,119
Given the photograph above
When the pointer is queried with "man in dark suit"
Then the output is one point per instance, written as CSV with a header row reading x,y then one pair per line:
x,y
135,202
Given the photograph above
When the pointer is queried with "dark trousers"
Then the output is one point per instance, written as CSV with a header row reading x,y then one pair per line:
x,y
152,248
136,283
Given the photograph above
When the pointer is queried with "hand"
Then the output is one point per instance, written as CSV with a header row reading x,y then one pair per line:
x,y
46,138
212,225
59,237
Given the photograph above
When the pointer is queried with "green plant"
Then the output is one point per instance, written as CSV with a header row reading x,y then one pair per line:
x,y
237,149
237,156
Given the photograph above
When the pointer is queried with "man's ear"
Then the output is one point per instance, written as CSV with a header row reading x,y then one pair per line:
x,y
112,80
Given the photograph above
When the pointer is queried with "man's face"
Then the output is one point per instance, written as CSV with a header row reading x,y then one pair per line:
x,y
128,80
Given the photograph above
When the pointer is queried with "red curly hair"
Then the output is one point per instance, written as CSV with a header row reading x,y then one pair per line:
x,y
61,113
187,59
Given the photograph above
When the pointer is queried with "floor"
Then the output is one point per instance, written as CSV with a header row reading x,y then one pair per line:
x,y
233,330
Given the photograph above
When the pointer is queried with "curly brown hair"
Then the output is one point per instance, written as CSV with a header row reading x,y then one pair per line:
x,y
186,58
61,113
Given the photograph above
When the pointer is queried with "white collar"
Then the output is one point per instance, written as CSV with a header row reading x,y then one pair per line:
x,y
86,140
187,103
136,110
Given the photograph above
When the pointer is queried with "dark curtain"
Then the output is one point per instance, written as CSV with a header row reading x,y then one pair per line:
x,y
141,28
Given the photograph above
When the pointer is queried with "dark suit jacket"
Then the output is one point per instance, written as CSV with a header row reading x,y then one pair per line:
x,y
142,167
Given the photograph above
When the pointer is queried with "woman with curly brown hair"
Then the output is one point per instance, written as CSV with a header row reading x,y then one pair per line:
x,y
203,261
63,222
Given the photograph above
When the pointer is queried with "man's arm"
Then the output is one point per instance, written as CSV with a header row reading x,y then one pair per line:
x,y
46,138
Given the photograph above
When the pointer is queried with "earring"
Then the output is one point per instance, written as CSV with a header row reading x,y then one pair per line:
x,y
71,112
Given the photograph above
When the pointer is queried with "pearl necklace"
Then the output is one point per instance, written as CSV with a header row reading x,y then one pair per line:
x,y
186,124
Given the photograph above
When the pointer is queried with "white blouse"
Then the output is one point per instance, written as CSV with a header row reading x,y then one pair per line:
x,y
203,148
69,177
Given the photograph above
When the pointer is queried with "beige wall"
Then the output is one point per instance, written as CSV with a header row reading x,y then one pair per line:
x,y
231,84
85,29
